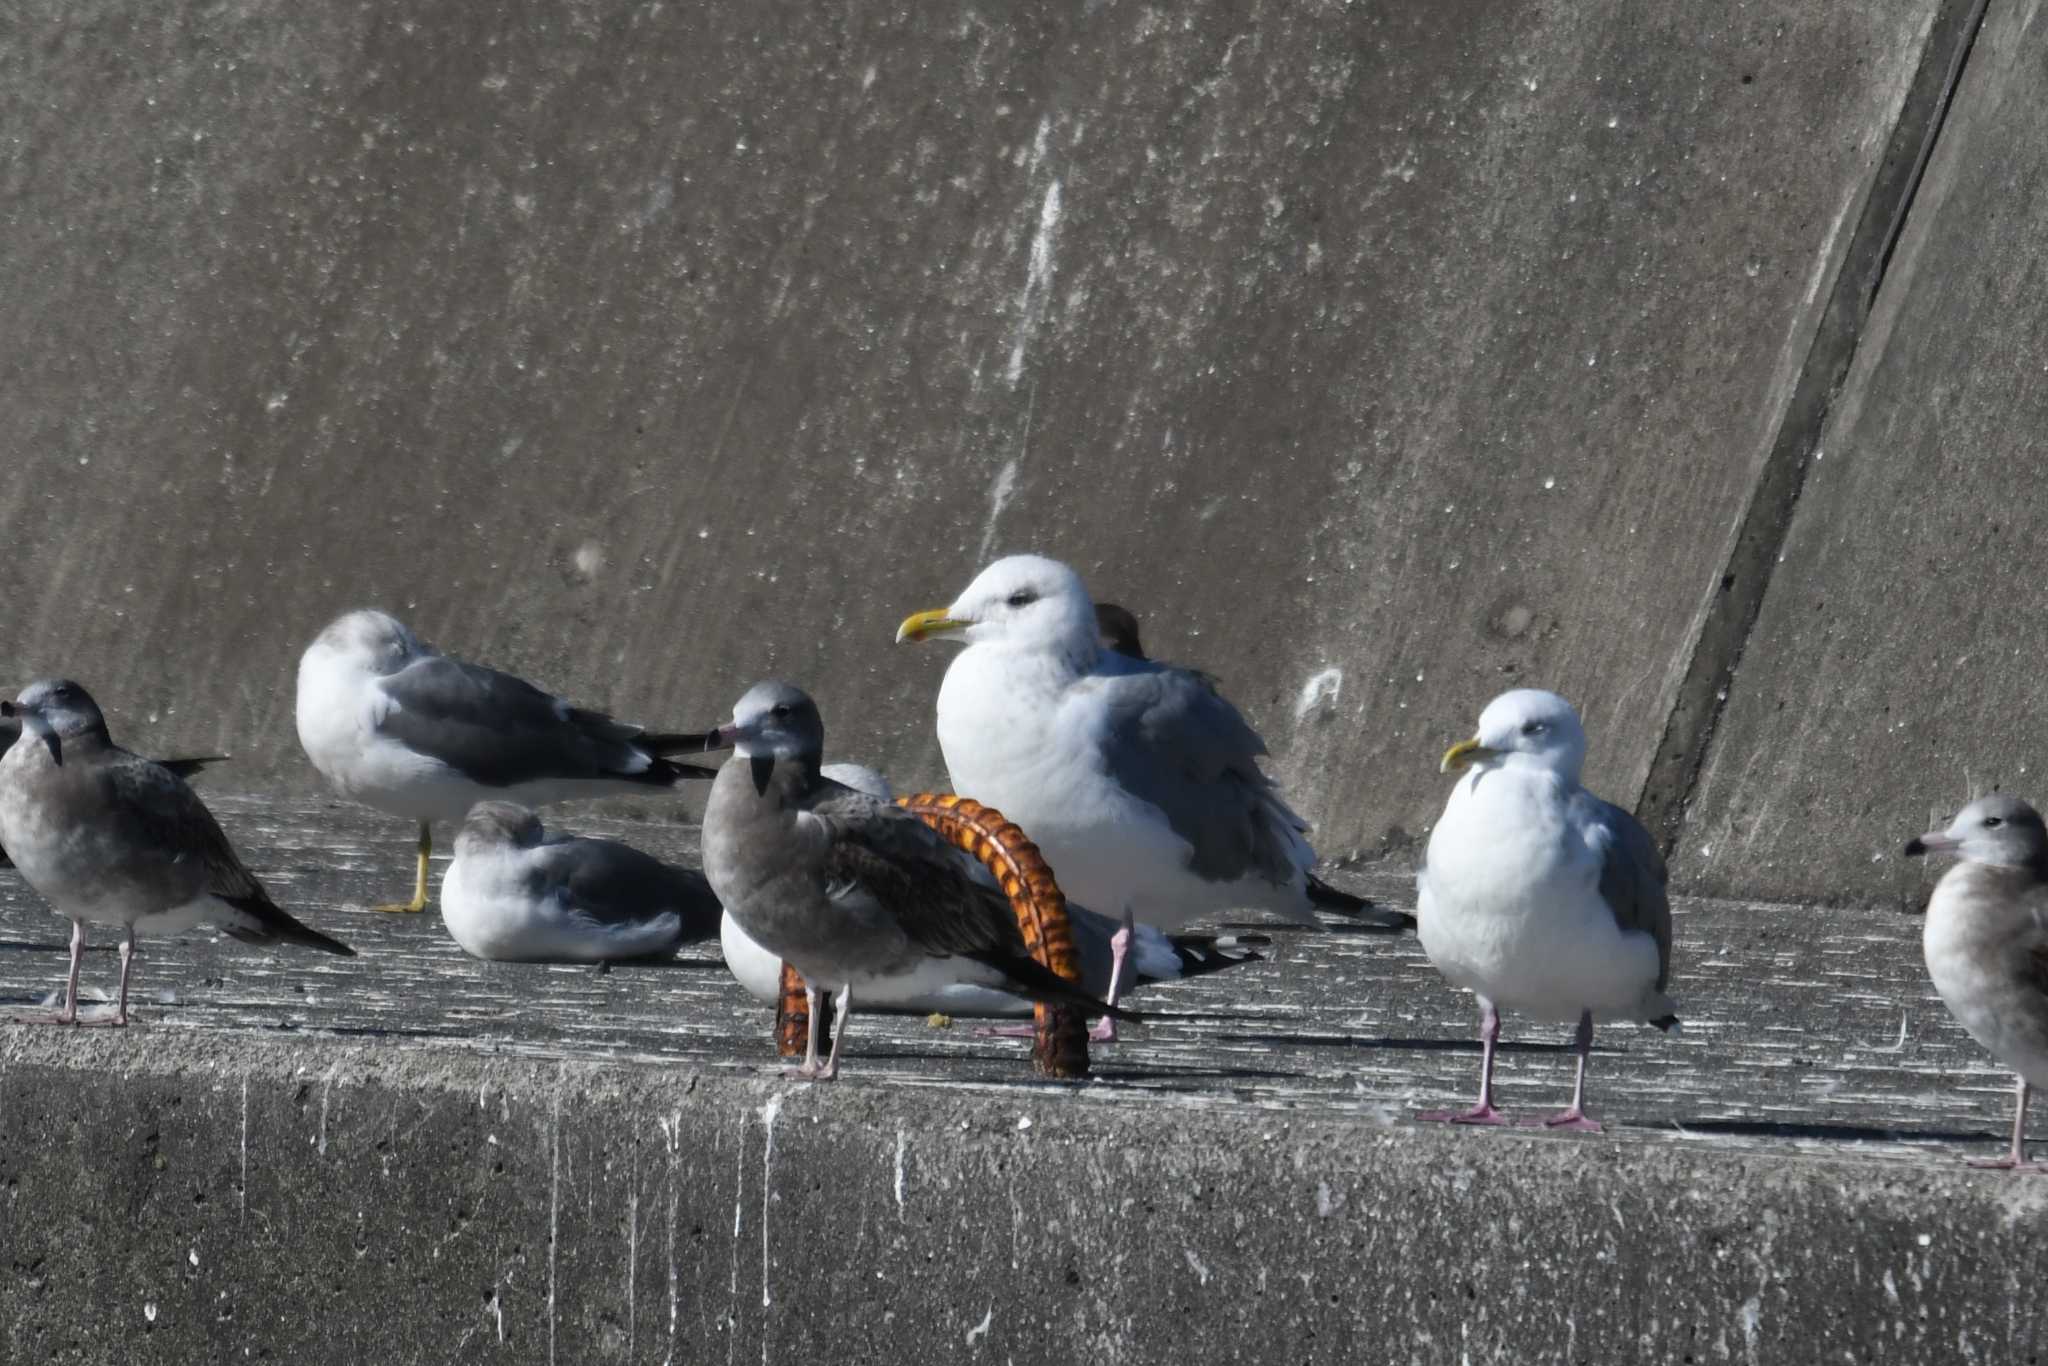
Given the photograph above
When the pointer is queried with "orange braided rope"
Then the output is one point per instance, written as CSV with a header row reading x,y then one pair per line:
x,y
1060,1041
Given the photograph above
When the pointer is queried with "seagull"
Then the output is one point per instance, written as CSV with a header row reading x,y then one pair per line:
x,y
848,889
184,768
937,987
395,724
516,894
1139,781
110,837
1987,943
1537,896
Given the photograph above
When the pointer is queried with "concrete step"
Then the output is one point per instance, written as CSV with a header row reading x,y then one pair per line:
x,y
411,1155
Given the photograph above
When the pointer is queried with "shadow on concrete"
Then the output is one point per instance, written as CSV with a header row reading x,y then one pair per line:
x,y
1835,1133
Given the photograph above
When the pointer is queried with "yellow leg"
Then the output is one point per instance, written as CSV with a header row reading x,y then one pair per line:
x,y
419,887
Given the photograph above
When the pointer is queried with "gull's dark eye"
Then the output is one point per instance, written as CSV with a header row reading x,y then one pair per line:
x,y
781,709
1533,728
1993,822
1023,597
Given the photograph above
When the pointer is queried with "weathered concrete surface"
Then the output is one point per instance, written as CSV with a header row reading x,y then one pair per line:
x,y
410,1156
1895,671
1421,350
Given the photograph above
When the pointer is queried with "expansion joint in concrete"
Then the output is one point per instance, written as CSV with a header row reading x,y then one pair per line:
x,y
1738,597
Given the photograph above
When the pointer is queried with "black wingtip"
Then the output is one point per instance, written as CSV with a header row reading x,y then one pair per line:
x,y
1324,897
1915,847
191,768
1205,953
1667,1023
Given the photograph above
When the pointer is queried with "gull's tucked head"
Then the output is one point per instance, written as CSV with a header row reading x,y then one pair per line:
x,y
773,720
491,825
1996,829
374,641
1526,728
56,708
1025,601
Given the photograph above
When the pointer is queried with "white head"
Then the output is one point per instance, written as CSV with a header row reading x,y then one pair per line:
x,y
1027,602
374,641
1527,728
1996,829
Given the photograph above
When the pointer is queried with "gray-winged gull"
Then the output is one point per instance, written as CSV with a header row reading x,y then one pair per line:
x,y
184,768
1987,943
110,837
848,889
395,724
1139,781
515,893
937,986
1537,896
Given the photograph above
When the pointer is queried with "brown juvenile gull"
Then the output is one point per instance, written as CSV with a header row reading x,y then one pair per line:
x,y
517,894
395,724
1139,781
1987,943
1537,896
184,768
936,986
848,889
113,838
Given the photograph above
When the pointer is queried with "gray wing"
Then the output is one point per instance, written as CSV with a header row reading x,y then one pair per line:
x,y
897,864
921,882
1171,739
159,817
500,730
1632,876
615,884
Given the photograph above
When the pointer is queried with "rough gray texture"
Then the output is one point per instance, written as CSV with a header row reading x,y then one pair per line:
x,y
1895,672
1381,357
411,1156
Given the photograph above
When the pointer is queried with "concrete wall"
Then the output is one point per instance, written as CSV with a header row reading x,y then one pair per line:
x,y
651,350
175,1198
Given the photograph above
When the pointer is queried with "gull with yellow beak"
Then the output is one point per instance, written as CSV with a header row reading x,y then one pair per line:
x,y
1537,896
1139,781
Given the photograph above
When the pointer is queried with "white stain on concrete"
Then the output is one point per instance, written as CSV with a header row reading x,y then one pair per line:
x,y
1321,690
980,1330
768,1114
1037,278
999,495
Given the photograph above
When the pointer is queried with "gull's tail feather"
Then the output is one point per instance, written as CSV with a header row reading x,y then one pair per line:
x,y
1205,953
1029,977
1324,897
274,926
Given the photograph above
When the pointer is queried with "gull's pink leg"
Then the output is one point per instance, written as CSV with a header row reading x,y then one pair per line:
x,y
1483,1112
830,1071
1119,949
69,1014
1574,1116
1105,1028
127,962
808,1071
2016,1160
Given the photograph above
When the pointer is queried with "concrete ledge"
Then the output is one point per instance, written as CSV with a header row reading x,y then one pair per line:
x,y
396,1157
327,1201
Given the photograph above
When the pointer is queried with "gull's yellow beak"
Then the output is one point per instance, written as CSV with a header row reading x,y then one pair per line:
x,y
918,625
1461,755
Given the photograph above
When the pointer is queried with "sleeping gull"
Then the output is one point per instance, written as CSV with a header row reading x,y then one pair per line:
x,y
1138,780
848,889
110,837
397,725
1155,957
1537,896
1987,943
517,894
